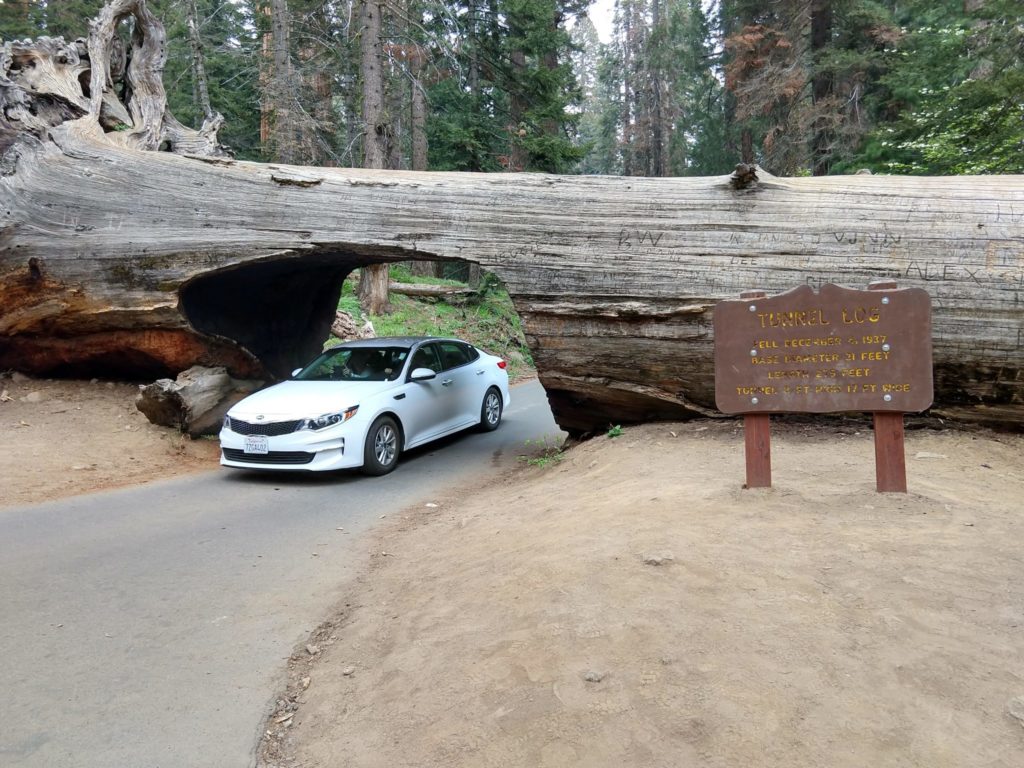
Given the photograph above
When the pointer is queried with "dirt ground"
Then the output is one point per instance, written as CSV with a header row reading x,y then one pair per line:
x,y
62,438
631,605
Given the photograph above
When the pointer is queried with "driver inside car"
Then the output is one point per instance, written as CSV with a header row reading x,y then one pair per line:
x,y
359,364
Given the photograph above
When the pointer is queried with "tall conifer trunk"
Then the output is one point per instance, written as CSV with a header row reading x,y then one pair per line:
x,y
627,90
821,85
373,279
282,95
201,88
658,134
418,124
517,109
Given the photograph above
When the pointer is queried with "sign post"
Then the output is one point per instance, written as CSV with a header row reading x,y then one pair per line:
x,y
834,350
890,454
757,439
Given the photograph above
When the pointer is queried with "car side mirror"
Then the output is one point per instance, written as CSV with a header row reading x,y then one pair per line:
x,y
296,372
422,374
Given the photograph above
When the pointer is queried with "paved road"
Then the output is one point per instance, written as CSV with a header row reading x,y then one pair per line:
x,y
149,626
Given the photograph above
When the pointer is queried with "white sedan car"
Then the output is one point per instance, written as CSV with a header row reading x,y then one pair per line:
x,y
362,403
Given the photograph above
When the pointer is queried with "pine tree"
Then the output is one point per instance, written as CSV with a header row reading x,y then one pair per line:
x,y
538,77
230,62
20,19
800,73
701,128
503,87
467,121
953,101
587,55
659,106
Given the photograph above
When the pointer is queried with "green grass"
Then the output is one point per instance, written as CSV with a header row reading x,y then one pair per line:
x,y
544,452
488,321
401,274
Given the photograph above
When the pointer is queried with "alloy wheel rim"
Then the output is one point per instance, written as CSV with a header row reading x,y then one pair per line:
x,y
384,445
493,408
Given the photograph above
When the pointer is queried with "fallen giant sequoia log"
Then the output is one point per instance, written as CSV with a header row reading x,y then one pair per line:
x,y
119,258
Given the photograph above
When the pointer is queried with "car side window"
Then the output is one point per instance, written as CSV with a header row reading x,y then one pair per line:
x,y
471,352
452,354
426,357
395,363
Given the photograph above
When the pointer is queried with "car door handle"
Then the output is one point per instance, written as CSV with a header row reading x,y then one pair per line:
x,y
400,397
480,372
446,382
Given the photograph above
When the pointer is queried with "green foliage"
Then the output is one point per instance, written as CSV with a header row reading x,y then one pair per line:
x,y
54,18
919,86
400,273
462,132
489,322
230,57
655,105
505,97
955,103
545,452
614,431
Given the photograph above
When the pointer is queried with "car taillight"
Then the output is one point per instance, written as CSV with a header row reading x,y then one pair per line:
x,y
502,364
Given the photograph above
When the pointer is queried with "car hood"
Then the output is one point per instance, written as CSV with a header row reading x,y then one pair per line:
x,y
305,399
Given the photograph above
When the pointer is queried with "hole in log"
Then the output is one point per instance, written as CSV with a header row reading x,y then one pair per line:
x,y
281,311
35,271
121,364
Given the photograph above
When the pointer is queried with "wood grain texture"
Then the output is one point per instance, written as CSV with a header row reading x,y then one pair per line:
x,y
615,279
757,446
890,454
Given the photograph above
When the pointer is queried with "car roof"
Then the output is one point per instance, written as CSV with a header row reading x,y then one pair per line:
x,y
406,342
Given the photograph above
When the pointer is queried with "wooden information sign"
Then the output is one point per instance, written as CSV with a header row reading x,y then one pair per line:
x,y
828,351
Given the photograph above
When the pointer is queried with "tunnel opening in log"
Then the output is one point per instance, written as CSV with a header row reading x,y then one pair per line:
x,y
280,310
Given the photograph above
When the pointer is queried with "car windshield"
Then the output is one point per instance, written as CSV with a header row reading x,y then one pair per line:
x,y
356,364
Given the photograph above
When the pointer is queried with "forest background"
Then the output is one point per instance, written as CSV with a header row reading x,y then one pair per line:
x,y
681,87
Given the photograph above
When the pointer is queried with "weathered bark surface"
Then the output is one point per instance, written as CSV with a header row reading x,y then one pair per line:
x,y
112,258
201,89
344,327
428,290
377,138
195,402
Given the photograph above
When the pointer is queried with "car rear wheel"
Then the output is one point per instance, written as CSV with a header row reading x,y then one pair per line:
x,y
383,444
490,410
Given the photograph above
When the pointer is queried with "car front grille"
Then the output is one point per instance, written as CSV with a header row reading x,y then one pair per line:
x,y
274,457
271,429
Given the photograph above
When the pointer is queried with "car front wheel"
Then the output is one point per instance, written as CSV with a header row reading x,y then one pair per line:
x,y
490,410
383,444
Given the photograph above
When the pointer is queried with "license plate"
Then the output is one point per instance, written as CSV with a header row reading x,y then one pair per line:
x,y
256,444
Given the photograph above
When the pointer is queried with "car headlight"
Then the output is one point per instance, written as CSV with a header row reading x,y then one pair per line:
x,y
329,419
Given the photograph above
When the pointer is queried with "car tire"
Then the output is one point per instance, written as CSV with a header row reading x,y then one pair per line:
x,y
382,447
491,410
